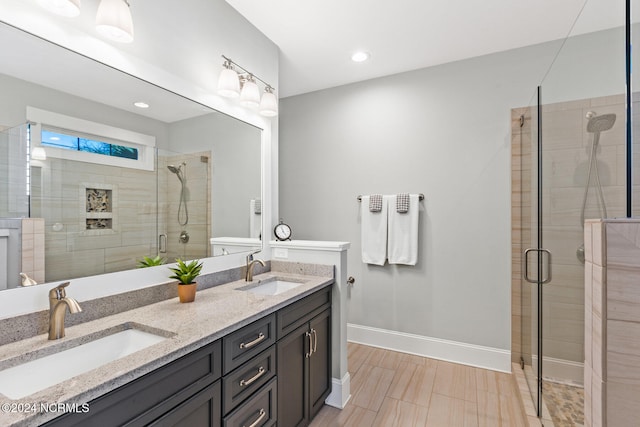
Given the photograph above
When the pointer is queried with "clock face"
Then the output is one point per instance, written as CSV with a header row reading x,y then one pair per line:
x,y
282,231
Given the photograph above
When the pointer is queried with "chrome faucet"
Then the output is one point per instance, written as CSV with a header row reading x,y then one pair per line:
x,y
58,304
250,263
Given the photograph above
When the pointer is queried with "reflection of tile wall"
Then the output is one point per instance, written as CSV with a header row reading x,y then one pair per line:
x,y
565,167
33,248
71,252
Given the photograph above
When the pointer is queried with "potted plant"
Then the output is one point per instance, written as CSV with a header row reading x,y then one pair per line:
x,y
151,262
185,274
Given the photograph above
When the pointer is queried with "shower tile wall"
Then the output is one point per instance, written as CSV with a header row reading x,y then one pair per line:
x,y
71,251
566,145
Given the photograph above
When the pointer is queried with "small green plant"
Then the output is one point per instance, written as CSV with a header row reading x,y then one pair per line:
x,y
186,273
151,262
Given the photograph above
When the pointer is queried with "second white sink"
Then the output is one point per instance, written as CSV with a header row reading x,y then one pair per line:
x,y
35,375
273,287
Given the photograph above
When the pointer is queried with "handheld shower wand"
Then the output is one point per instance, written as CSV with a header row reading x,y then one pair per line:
x,y
183,197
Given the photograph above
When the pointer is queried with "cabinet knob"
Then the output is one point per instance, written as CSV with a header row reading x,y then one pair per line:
x,y
351,280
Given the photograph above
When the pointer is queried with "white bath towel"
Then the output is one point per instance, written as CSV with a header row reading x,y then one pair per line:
x,y
403,232
255,220
374,232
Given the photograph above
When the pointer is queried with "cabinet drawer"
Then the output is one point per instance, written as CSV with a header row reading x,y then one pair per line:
x,y
241,383
300,312
243,344
259,411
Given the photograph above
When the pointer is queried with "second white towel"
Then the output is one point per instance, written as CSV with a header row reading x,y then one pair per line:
x,y
403,232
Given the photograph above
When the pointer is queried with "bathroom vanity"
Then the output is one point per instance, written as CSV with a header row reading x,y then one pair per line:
x,y
238,356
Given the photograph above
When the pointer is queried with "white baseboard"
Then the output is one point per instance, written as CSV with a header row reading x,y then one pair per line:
x,y
468,354
340,392
561,370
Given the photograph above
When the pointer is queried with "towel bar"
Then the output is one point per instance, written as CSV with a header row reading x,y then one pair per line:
x,y
420,197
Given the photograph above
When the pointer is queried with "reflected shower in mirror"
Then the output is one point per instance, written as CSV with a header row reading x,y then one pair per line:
x,y
87,181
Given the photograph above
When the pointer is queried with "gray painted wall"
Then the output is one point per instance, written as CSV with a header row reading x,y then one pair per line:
x,y
442,131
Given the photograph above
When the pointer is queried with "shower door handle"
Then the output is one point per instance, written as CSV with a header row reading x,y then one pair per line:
x,y
526,265
162,243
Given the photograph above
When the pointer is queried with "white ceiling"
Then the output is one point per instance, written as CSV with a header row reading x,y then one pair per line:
x,y
317,37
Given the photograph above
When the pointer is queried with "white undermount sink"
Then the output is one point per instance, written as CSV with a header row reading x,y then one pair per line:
x,y
34,375
271,287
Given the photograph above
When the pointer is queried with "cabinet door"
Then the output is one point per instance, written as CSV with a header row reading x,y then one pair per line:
x,y
292,378
320,362
203,409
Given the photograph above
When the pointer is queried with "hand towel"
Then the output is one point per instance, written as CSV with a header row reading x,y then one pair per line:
x,y
402,203
373,232
255,219
375,203
403,232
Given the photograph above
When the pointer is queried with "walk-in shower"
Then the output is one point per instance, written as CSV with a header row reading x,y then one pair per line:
x,y
595,125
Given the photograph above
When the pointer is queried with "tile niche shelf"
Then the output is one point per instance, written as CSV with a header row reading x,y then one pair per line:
x,y
97,209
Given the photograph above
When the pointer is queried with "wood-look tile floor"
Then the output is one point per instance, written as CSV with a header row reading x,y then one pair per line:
x,y
391,389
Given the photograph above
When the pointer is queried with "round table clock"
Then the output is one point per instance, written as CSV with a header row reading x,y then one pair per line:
x,y
282,231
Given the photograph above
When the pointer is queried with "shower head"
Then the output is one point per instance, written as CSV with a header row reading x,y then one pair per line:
x,y
601,123
174,169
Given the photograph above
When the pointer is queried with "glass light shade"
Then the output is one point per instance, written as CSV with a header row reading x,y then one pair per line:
x,y
114,21
68,8
228,83
38,153
269,104
250,94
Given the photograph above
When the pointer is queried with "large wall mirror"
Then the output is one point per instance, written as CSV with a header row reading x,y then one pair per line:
x,y
91,183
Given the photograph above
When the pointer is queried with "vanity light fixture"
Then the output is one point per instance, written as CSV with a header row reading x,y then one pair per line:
x,y
228,83
68,8
141,104
250,93
113,19
360,56
235,81
269,103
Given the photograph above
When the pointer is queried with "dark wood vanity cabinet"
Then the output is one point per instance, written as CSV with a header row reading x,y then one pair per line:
x,y
170,395
304,360
276,370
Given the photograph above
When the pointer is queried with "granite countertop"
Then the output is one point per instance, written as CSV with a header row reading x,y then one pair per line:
x,y
215,313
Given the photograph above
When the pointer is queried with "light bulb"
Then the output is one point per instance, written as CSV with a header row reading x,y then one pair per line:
x,y
114,21
228,83
38,153
68,8
250,94
360,56
268,103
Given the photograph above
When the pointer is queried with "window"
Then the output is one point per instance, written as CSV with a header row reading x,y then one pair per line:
x,y
76,143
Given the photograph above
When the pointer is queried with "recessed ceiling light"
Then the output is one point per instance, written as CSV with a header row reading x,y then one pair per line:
x,y
141,104
360,56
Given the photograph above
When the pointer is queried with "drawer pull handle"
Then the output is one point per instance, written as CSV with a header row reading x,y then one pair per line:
x,y
315,340
254,342
308,354
260,373
262,414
